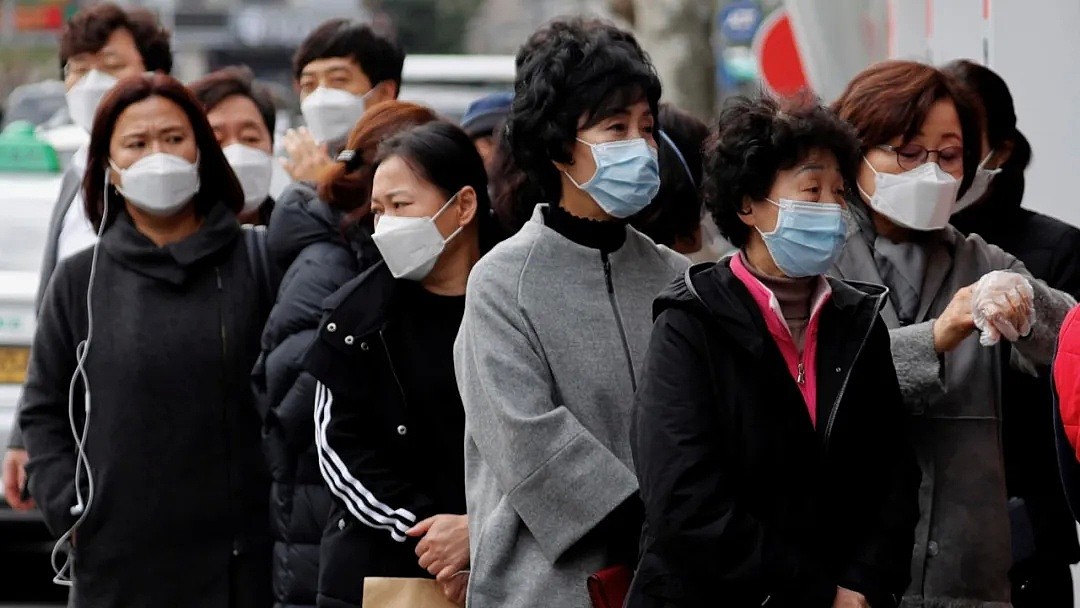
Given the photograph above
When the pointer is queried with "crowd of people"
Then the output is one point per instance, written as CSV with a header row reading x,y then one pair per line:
x,y
472,364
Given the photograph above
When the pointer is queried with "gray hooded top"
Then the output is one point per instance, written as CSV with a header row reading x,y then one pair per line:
x,y
962,551
546,363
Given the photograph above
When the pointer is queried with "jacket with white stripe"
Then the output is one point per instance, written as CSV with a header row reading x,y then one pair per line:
x,y
367,439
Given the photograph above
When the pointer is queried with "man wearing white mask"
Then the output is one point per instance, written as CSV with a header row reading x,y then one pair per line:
x,y
99,45
242,116
341,68
957,308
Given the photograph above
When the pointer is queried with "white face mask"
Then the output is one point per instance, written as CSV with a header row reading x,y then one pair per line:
x,y
411,245
979,185
921,199
331,113
83,98
159,184
253,168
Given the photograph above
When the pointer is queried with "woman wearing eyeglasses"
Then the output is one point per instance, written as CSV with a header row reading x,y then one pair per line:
x,y
954,303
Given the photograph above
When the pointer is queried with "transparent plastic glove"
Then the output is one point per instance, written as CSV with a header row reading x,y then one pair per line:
x,y
1003,305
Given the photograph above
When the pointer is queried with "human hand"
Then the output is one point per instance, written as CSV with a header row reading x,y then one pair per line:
x,y
956,323
307,158
14,474
846,598
457,587
1003,306
444,545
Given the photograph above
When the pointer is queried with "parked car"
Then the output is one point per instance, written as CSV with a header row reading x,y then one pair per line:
x,y
36,102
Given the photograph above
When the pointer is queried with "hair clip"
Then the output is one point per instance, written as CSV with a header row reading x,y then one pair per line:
x,y
346,156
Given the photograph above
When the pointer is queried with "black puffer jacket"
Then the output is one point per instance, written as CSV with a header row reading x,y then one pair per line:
x,y
747,503
305,240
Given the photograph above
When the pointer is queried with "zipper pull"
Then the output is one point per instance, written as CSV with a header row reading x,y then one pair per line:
x,y
802,374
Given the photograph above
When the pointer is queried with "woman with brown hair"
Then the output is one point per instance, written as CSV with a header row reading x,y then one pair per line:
x,y
323,240
138,409
944,290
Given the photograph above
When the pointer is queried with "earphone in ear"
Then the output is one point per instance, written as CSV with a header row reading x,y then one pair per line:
x,y
82,505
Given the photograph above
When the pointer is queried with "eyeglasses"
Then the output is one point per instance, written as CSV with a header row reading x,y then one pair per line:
x,y
910,156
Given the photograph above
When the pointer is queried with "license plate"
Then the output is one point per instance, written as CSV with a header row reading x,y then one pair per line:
x,y
13,363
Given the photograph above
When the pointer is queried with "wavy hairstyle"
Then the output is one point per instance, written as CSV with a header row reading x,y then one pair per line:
x,y
754,139
219,185
572,74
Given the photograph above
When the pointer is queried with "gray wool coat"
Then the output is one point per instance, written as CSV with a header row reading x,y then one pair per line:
x,y
546,359
962,551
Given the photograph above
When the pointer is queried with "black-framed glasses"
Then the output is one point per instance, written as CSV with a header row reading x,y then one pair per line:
x,y
910,156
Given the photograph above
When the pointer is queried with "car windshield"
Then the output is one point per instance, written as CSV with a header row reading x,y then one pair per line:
x,y
26,207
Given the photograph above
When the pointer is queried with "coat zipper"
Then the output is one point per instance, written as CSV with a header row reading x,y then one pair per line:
x,y
393,372
802,373
618,318
225,395
847,377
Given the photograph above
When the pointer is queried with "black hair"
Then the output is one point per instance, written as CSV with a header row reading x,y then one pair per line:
x,y
567,70
89,29
754,139
219,85
999,110
999,116
379,58
442,154
675,211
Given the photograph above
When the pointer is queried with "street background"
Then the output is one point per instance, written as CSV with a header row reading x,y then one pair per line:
x,y
704,50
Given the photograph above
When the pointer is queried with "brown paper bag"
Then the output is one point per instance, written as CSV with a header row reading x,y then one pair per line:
x,y
380,592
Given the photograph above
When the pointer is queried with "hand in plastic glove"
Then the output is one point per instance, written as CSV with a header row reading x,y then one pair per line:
x,y
307,158
1003,306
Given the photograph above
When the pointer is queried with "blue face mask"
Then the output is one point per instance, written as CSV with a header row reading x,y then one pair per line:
x,y
627,176
808,237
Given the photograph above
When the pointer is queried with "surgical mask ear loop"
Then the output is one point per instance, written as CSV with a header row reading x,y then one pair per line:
x,y
82,505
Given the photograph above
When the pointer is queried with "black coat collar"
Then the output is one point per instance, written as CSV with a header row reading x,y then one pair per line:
x,y
174,262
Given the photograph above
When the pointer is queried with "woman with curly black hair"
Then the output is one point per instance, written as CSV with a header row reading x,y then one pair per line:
x,y
556,323
768,429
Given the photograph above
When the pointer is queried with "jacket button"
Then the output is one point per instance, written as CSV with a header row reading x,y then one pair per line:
x,y
349,340
401,430
331,327
364,346
341,524
838,370
932,549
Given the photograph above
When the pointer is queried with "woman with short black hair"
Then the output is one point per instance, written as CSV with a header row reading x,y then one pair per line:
x,y
556,323
768,428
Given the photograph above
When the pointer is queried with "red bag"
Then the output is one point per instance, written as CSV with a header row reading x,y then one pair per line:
x,y
609,587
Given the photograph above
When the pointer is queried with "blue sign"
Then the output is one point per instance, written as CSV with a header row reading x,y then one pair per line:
x,y
739,21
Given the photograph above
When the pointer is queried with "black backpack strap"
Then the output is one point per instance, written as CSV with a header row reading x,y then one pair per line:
x,y
259,260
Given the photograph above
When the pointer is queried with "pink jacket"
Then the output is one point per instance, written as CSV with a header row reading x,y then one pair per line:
x,y
803,369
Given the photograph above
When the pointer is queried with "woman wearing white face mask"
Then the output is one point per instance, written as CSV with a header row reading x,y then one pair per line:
x,y
167,502
556,325
945,290
242,115
388,417
321,241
